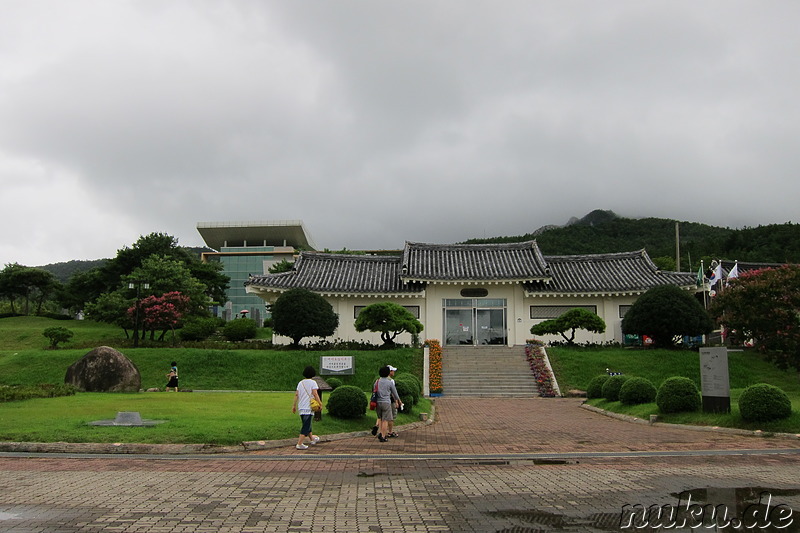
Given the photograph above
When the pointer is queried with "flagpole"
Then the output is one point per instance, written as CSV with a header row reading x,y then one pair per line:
x,y
705,292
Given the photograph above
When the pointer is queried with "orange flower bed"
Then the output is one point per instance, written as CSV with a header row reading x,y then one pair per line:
x,y
435,352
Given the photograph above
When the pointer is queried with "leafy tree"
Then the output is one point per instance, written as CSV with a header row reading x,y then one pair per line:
x,y
572,320
29,285
169,275
763,305
11,287
161,312
388,318
665,312
240,329
115,272
281,266
111,308
664,263
81,288
57,334
299,313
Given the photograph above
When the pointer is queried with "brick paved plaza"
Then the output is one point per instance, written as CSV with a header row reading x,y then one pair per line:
x,y
484,465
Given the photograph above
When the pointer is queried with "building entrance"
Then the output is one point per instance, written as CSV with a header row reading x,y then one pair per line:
x,y
475,321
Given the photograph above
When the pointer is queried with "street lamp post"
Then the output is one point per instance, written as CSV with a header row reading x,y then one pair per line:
x,y
137,284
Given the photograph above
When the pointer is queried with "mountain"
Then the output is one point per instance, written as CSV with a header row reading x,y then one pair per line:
x,y
606,232
64,270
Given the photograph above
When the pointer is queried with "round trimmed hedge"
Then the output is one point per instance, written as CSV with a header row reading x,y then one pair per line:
x,y
595,387
347,401
677,395
612,386
763,402
240,329
637,391
411,378
334,383
407,394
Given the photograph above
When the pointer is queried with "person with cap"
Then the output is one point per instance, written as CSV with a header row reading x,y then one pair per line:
x,y
387,405
392,370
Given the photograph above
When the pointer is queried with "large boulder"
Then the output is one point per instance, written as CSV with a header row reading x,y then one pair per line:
x,y
104,369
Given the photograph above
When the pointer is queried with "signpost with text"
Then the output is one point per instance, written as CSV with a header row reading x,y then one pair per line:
x,y
714,380
336,365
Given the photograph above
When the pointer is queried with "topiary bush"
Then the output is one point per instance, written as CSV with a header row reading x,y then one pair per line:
x,y
612,386
408,395
595,388
335,383
636,391
412,379
240,329
198,329
763,402
677,395
347,401
57,334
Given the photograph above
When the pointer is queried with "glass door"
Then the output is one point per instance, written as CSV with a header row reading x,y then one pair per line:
x,y
475,321
458,326
490,326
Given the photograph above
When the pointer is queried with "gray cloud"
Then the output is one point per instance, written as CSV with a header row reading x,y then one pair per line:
x,y
377,123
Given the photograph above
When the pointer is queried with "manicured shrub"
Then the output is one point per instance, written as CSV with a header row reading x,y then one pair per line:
x,y
347,401
57,334
408,395
334,382
44,390
636,391
677,395
198,329
595,388
412,379
240,329
612,386
763,402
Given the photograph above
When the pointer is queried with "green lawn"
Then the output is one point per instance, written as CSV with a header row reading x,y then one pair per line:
x,y
193,417
201,418
575,367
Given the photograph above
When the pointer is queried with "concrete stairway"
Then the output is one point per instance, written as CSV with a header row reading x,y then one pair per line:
x,y
492,371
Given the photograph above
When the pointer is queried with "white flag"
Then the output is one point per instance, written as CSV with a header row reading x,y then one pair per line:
x,y
734,273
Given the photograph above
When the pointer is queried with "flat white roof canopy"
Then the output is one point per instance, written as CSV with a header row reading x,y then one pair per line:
x,y
273,232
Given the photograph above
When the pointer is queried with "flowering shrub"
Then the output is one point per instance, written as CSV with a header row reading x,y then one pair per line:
x,y
161,312
534,352
435,350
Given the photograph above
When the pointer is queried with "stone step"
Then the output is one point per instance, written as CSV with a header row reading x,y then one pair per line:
x,y
500,372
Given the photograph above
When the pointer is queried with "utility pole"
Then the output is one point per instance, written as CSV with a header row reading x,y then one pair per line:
x,y
677,247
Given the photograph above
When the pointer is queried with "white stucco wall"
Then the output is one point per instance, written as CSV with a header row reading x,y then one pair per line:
x,y
518,314
344,307
607,309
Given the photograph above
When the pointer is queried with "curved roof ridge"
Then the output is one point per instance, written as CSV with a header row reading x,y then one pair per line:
x,y
607,255
360,257
512,245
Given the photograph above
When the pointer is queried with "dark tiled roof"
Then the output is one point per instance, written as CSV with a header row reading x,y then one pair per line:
x,y
629,272
340,274
474,262
606,274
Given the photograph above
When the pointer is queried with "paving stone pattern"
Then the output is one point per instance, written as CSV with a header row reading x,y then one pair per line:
x,y
482,466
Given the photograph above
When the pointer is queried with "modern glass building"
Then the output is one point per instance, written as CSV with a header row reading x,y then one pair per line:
x,y
249,249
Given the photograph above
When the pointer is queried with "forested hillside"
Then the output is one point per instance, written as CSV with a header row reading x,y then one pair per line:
x,y
605,232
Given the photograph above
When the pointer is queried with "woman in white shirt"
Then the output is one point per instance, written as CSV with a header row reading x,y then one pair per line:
x,y
306,389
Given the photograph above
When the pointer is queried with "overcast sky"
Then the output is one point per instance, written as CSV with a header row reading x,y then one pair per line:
x,y
380,122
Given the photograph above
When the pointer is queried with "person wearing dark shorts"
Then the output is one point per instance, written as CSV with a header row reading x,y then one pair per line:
x,y
387,400
306,389
173,377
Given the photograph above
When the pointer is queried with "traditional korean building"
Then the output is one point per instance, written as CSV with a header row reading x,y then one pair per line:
x,y
475,294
